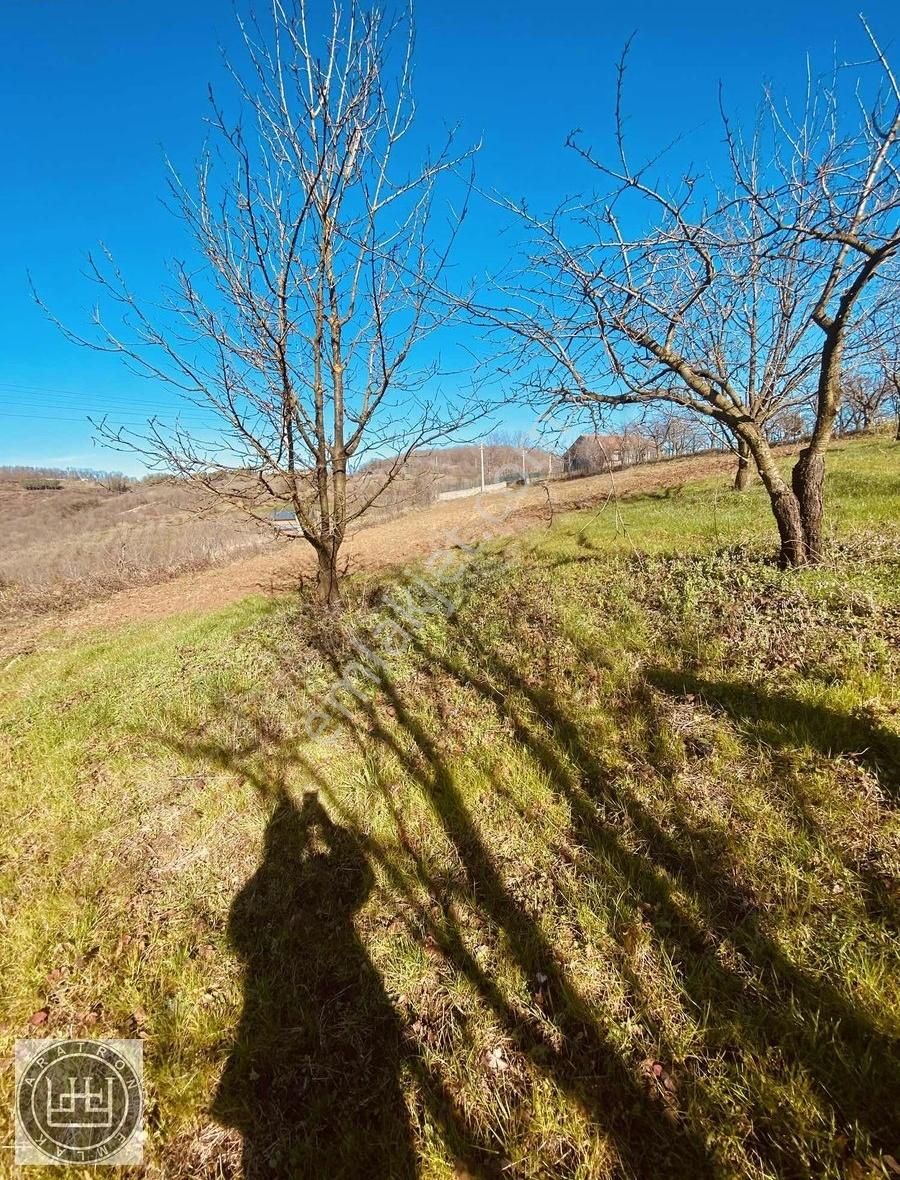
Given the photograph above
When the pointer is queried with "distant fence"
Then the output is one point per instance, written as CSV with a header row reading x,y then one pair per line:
x,y
461,492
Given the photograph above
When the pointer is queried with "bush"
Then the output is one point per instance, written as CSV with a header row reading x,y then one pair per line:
x,y
116,483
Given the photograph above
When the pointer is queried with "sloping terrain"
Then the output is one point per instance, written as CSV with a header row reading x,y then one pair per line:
x,y
282,566
76,540
587,870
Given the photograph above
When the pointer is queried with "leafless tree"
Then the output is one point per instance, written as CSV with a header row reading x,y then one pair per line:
x,y
657,427
676,432
633,444
297,323
893,377
865,399
116,482
887,362
790,426
871,381
733,302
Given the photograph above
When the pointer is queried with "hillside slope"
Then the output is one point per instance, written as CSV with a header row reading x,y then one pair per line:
x,y
280,567
78,540
593,874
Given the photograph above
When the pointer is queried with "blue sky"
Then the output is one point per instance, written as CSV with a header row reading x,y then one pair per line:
x,y
93,93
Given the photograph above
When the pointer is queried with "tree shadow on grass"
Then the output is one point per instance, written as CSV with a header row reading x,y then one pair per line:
x,y
766,1016
312,1080
770,1010
784,721
566,1044
292,926
566,1041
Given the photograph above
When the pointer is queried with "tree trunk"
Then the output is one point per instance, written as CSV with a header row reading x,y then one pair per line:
x,y
897,435
744,473
790,528
328,579
785,505
808,482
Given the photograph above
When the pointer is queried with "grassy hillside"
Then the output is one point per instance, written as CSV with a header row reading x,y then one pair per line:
x,y
599,879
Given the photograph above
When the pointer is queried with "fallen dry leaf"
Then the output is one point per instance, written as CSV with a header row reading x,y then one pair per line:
x,y
497,1060
137,1020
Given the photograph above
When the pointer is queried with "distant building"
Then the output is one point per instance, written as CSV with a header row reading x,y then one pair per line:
x,y
284,520
607,452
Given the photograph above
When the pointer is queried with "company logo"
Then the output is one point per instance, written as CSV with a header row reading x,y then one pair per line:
x,y
79,1102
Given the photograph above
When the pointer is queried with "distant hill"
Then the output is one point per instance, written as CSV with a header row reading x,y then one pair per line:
x,y
445,469
66,538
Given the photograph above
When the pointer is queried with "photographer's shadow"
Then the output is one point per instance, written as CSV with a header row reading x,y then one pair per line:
x,y
312,1080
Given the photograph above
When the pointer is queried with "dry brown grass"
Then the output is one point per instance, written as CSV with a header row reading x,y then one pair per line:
x,y
81,542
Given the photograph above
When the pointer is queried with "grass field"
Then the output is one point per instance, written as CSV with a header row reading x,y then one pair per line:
x,y
595,875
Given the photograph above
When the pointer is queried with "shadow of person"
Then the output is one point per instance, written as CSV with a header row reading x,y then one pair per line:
x,y
312,1080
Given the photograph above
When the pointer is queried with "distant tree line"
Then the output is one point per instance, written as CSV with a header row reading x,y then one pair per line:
x,y
43,478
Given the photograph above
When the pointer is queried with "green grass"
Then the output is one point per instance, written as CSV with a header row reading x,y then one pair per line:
x,y
599,879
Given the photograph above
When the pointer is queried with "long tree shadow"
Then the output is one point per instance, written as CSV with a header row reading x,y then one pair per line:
x,y
780,719
267,910
312,1080
770,1005
568,1043
784,1006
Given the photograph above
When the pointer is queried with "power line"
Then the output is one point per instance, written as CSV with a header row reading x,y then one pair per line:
x,y
108,405
22,387
60,418
16,389
54,391
111,412
95,401
41,417
11,402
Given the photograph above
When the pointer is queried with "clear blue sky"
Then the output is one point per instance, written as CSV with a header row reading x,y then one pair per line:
x,y
93,92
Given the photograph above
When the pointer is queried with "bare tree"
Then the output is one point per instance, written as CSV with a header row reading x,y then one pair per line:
x,y
871,382
894,378
787,427
865,398
675,433
115,482
887,362
735,303
659,428
296,326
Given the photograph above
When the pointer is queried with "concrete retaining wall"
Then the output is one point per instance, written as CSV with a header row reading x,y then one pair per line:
x,y
490,487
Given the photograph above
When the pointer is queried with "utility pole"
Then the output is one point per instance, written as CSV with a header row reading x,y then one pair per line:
x,y
524,474
482,466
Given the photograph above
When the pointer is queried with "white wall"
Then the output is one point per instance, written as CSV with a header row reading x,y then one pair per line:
x,y
490,487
